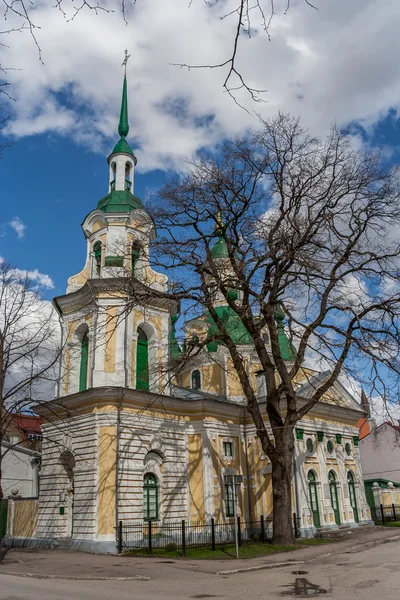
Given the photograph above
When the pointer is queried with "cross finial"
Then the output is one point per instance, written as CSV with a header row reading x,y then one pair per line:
x,y
125,61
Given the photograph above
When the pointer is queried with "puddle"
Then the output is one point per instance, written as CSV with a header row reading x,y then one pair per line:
x,y
303,587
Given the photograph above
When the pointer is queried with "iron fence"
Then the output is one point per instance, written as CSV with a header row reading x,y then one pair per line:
x,y
385,513
154,535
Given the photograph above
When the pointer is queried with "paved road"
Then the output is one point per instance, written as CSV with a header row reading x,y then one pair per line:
x,y
372,574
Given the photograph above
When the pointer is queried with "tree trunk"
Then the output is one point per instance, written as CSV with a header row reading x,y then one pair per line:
x,y
282,494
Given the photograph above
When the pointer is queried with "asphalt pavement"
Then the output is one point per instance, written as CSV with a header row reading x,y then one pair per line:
x,y
370,574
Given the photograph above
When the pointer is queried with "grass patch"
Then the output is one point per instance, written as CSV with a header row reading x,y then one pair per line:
x,y
389,524
251,550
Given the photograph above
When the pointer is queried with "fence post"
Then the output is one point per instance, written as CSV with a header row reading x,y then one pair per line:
x,y
262,528
183,538
394,512
119,537
212,533
150,540
296,532
382,515
239,531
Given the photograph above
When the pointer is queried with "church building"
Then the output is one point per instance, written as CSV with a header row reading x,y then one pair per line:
x,y
124,442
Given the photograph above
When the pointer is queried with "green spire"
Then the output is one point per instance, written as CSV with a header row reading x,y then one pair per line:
x,y
123,127
287,350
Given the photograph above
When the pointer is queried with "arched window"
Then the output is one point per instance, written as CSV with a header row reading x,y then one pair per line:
x,y
196,380
135,256
83,371
97,256
113,176
334,495
313,494
142,361
352,494
128,182
150,497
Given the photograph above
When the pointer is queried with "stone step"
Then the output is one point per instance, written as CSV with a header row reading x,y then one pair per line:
x,y
342,531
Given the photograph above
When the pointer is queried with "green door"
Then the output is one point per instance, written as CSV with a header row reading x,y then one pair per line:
x,y
3,517
334,496
352,494
312,487
142,362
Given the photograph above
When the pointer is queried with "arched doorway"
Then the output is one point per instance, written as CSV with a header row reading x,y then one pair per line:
x,y
334,495
352,494
314,504
142,361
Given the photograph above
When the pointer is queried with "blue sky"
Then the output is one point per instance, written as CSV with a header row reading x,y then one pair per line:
x,y
51,184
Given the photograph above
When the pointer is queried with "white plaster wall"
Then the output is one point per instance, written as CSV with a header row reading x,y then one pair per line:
x,y
19,471
380,454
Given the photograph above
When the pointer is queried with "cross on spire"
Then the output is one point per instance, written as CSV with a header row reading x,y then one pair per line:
x,y
125,61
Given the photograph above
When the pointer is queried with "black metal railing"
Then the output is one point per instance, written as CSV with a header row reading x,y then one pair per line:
x,y
180,535
385,513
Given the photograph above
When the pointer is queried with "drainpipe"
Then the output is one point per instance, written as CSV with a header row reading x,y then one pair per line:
x,y
247,472
117,455
125,351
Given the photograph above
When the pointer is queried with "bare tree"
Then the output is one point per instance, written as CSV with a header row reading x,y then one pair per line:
x,y
29,351
306,232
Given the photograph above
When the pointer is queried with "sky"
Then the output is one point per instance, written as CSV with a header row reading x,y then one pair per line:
x,y
337,62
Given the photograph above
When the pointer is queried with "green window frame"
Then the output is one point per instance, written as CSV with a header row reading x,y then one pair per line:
x,y
227,448
229,510
83,369
310,446
142,361
196,380
150,497
97,256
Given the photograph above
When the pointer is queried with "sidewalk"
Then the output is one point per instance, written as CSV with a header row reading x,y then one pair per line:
x,y
79,565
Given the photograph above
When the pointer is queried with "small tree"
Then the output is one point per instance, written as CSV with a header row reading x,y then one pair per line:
x,y
307,231
29,350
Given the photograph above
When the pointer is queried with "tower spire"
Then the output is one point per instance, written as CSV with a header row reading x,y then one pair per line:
x,y
123,125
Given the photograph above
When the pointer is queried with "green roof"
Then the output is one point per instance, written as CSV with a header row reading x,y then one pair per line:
x,y
123,146
119,201
233,323
220,249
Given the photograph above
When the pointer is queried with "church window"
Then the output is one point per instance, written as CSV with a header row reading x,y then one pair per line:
x,y
330,446
348,448
128,182
196,380
227,448
97,256
229,510
266,339
135,257
150,497
83,371
114,174
142,361
310,446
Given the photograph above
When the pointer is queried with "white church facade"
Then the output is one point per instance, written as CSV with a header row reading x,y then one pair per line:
x,y
124,441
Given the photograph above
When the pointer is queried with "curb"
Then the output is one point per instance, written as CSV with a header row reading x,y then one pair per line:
x,y
261,567
357,547
74,578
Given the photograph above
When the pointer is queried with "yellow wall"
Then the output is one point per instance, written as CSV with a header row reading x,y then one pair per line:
x,y
111,339
196,486
25,518
107,480
211,378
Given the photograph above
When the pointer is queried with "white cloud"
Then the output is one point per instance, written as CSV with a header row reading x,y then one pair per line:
x,y
320,65
35,276
19,227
